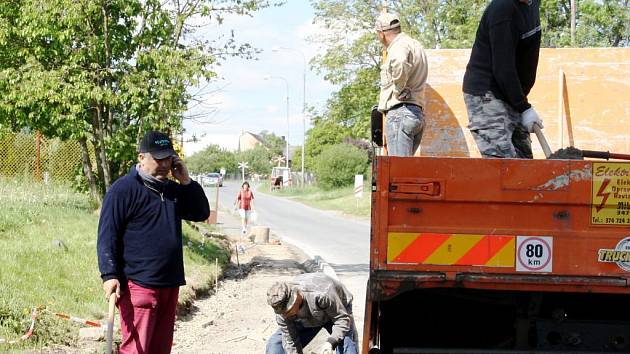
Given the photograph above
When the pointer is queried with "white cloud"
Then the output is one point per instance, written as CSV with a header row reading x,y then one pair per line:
x,y
227,141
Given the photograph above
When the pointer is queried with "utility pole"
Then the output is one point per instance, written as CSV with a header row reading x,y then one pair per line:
x,y
277,49
288,127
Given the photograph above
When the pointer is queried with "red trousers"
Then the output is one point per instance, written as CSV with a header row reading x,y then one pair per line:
x,y
147,319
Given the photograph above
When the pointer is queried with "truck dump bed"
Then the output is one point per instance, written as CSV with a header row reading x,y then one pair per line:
x,y
499,255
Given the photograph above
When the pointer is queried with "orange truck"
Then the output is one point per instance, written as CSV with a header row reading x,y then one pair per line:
x,y
474,255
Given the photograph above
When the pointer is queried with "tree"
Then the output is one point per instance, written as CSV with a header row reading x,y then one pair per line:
x,y
212,159
258,158
325,132
104,71
275,144
351,53
599,23
337,165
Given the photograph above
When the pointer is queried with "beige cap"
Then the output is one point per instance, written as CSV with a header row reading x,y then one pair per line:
x,y
387,21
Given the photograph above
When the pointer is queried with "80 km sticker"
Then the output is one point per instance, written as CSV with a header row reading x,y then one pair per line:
x,y
534,254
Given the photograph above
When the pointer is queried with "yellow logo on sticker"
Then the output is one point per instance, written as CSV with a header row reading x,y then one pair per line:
x,y
611,194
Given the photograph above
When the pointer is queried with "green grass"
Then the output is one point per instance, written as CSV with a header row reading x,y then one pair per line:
x,y
341,199
34,272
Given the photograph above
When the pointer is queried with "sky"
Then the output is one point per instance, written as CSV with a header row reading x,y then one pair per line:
x,y
243,99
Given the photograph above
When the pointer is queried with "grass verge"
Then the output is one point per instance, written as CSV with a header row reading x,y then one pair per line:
x,y
341,199
48,261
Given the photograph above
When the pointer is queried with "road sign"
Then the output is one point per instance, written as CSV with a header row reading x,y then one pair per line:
x,y
358,186
279,160
243,165
534,254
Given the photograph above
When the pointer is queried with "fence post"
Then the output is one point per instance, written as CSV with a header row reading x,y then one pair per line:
x,y
38,157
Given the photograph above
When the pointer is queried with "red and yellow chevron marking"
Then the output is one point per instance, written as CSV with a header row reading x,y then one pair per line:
x,y
451,249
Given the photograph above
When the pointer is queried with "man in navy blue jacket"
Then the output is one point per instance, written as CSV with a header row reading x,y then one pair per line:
x,y
499,76
139,246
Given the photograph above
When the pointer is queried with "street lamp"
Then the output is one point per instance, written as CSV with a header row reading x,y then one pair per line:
x,y
288,130
277,49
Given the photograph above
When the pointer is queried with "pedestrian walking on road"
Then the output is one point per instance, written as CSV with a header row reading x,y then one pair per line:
x,y
500,73
403,80
139,245
304,306
245,202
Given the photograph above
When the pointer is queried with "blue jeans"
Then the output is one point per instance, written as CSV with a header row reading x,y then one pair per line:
x,y
404,128
274,344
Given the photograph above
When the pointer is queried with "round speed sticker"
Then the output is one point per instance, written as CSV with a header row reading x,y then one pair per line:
x,y
534,254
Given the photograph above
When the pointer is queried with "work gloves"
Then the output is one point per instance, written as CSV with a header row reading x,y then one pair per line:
x,y
529,118
326,349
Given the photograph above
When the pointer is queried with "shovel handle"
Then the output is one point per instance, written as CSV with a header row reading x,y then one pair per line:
x,y
543,141
110,323
605,155
619,156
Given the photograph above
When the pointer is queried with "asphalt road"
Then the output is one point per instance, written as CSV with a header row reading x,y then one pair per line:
x,y
342,242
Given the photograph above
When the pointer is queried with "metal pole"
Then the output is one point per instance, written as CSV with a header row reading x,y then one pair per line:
x,y
38,156
303,115
288,128
275,49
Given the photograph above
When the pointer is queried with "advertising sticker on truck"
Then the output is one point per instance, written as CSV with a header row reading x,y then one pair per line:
x,y
611,194
534,254
619,255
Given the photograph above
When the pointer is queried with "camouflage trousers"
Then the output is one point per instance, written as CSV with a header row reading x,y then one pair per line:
x,y
497,128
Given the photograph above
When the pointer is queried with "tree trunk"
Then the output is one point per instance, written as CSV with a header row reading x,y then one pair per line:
x,y
101,156
87,171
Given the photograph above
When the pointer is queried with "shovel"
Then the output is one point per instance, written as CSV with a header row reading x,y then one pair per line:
x,y
572,153
110,323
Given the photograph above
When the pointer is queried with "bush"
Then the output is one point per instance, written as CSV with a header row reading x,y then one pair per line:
x,y
337,165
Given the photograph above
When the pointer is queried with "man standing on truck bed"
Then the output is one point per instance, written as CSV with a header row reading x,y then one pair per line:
x,y
305,305
403,79
500,73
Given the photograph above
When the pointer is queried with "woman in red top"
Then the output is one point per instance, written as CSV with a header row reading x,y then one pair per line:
x,y
245,201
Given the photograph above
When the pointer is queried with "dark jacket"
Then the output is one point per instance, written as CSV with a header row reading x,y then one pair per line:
x,y
504,57
326,300
140,230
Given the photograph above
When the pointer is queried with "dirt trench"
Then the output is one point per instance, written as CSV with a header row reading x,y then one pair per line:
x,y
235,319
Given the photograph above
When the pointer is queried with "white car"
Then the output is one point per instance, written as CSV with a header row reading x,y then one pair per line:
x,y
212,179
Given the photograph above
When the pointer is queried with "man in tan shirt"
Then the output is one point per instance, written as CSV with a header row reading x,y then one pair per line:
x,y
403,78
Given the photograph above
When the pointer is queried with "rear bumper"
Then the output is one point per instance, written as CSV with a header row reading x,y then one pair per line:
x,y
386,284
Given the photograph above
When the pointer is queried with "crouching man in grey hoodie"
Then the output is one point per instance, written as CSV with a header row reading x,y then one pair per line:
x,y
304,306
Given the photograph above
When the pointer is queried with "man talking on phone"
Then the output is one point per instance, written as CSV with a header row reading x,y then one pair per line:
x,y
139,243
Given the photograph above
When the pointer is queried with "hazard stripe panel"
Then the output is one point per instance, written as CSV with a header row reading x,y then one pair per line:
x,y
451,249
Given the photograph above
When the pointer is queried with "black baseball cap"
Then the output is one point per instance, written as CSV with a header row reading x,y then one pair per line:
x,y
158,144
